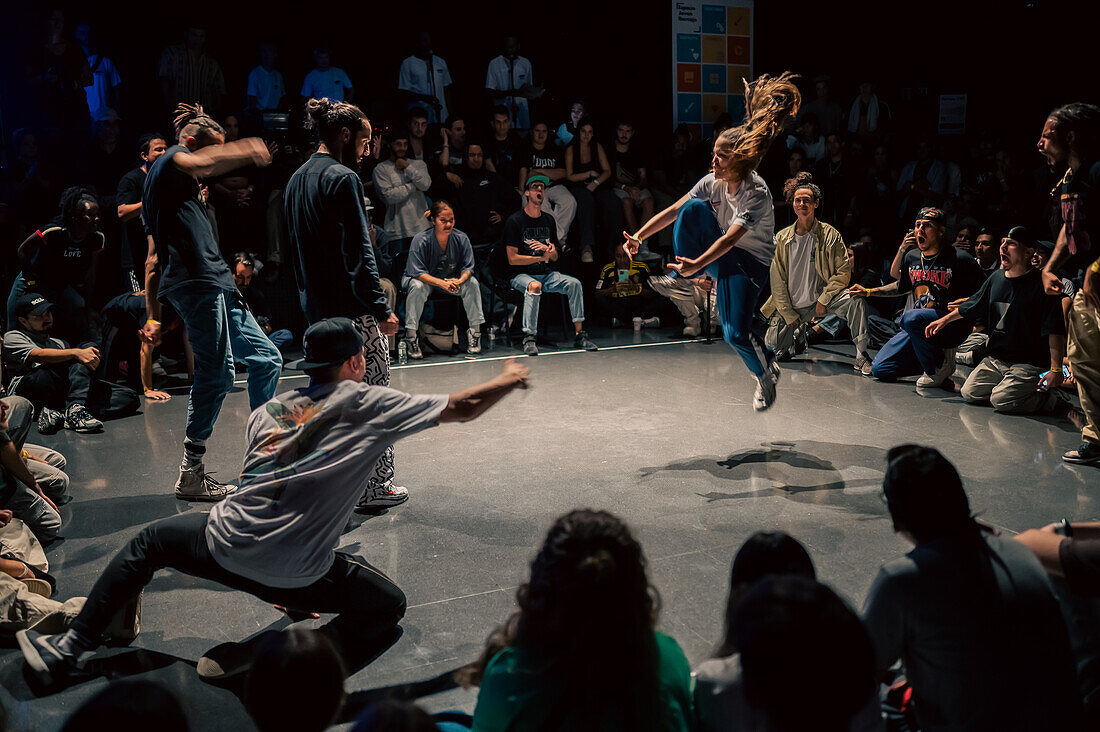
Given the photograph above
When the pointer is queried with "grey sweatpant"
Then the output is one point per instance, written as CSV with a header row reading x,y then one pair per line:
x,y
1009,387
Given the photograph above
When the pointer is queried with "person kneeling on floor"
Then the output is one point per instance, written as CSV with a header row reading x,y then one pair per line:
x,y
54,376
1027,334
309,454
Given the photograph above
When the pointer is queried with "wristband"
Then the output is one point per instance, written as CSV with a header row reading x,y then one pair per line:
x,y
154,322
1095,268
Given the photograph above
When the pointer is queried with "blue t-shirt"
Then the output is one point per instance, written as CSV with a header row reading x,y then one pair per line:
x,y
427,257
175,216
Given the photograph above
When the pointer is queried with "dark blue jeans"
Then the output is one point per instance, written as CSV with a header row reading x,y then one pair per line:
x,y
739,277
910,352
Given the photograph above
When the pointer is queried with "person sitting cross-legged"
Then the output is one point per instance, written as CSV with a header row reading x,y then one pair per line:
x,y
55,377
310,452
441,259
1027,334
809,279
532,244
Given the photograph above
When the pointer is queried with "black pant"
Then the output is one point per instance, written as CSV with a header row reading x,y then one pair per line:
x,y
57,385
365,599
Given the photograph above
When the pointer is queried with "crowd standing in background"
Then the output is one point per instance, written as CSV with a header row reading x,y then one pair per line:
x,y
456,216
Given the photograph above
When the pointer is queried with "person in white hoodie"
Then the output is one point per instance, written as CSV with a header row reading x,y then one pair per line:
x,y
401,182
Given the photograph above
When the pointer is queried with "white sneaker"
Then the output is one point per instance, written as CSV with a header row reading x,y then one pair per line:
x,y
195,484
586,256
944,372
473,340
677,287
765,392
381,497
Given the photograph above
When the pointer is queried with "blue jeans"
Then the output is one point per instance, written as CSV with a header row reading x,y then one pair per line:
x,y
910,352
739,277
551,282
222,331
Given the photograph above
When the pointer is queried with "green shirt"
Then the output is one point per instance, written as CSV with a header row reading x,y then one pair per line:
x,y
517,698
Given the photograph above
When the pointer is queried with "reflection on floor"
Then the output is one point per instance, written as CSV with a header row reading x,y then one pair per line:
x,y
660,432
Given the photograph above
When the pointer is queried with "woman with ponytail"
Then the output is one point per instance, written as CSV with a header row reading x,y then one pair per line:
x,y
724,226
581,652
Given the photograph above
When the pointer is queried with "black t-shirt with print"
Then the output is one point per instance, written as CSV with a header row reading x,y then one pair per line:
x,y
1079,212
61,261
937,280
625,165
1018,315
520,230
548,158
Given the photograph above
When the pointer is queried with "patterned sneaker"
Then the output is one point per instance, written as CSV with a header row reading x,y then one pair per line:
x,y
676,287
1087,454
79,419
50,421
582,341
45,658
195,484
473,340
385,496
863,364
530,347
413,346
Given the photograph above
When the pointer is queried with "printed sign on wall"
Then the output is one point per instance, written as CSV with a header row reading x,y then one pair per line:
x,y
712,53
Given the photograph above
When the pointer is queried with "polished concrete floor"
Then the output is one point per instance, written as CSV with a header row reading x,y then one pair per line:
x,y
660,432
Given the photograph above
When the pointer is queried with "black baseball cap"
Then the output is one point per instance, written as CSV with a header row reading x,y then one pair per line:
x,y
31,304
930,213
329,343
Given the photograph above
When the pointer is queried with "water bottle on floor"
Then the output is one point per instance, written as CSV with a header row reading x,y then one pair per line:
x,y
402,352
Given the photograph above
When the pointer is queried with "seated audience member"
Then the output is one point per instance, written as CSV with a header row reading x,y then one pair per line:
x,y
326,81
289,664
130,705
244,273
1027,334
48,468
441,260
567,130
830,114
484,201
809,279
587,612
503,153
58,262
936,275
20,492
453,151
631,185
808,139
868,116
589,174
309,457
692,304
135,247
401,183
417,124
623,293
987,251
543,158
965,238
54,376
531,239
922,183
970,615
719,684
790,617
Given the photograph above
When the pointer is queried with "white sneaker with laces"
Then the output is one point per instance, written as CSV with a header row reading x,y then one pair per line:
x,y
677,287
473,340
943,373
195,484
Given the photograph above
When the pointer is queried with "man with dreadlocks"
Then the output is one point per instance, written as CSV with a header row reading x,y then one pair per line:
x,y
334,260
196,281
725,227
1071,138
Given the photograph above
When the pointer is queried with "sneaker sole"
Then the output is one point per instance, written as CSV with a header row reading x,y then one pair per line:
x,y
200,497
379,505
33,658
1081,461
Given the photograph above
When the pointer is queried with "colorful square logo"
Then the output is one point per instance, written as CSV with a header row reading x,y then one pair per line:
x,y
714,78
689,108
689,77
687,48
714,19
738,21
734,76
714,49
738,50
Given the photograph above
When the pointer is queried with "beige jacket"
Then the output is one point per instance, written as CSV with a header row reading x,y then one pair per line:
x,y
830,262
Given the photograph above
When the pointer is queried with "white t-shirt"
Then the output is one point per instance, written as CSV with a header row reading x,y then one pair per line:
x,y
417,77
801,273
267,87
104,78
332,84
750,207
505,75
309,454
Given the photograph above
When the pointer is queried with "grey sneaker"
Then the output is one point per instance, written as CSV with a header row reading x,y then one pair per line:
x,y
800,339
863,364
765,391
413,346
943,373
79,419
966,358
195,484
675,287
473,340
530,347
44,658
582,341
49,421
653,322
385,496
